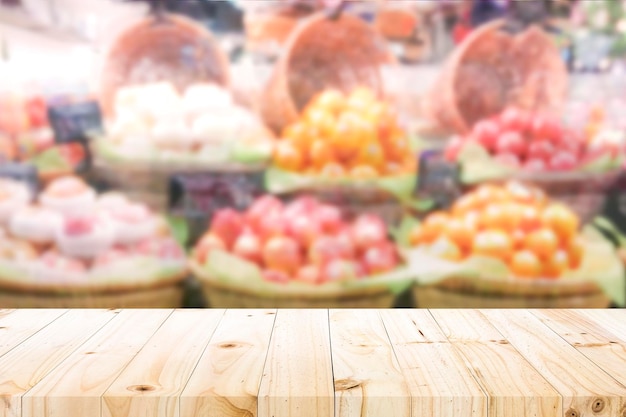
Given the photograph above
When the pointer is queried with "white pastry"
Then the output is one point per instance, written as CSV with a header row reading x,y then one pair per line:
x,y
68,195
56,268
14,196
112,200
133,223
85,237
35,224
202,98
171,134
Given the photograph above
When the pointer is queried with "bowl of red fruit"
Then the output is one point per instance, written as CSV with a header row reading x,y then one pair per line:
x,y
538,148
303,254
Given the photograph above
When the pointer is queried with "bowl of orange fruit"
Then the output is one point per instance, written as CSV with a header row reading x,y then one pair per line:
x,y
350,143
510,246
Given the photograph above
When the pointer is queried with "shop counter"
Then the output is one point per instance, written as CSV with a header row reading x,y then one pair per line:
x,y
318,363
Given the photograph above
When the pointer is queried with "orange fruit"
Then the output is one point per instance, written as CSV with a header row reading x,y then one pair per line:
x,y
575,252
363,172
446,249
461,232
489,194
333,170
556,265
562,220
346,139
525,264
465,204
434,225
416,236
299,134
519,238
530,219
321,153
321,120
287,156
395,147
493,243
331,101
543,242
370,154
361,98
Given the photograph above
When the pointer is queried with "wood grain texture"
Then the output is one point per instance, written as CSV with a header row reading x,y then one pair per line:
x,y
228,376
77,384
28,363
438,380
613,320
514,386
586,389
18,325
367,376
298,377
152,382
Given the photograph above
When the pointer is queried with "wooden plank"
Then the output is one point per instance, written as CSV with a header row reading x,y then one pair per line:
x,y
228,376
614,320
298,378
586,389
153,381
598,344
368,379
28,363
439,382
514,386
77,385
18,325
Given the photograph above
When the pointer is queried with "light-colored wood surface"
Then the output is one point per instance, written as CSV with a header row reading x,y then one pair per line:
x,y
318,363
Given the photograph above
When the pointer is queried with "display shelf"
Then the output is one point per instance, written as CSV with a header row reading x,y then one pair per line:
x,y
120,363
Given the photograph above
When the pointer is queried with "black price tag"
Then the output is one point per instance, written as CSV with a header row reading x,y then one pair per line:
x,y
75,122
200,195
438,178
23,172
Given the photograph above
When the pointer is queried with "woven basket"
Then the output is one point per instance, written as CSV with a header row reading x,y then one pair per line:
x,y
518,293
163,294
341,53
491,70
158,48
222,295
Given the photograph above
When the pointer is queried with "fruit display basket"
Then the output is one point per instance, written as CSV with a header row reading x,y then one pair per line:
x,y
340,52
304,254
70,248
508,246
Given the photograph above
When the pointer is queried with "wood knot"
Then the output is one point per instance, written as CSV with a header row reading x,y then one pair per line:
x,y
228,345
2,327
346,384
598,405
89,353
141,388
572,413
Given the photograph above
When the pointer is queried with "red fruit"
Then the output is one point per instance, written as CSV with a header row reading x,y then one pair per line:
x,y
515,120
76,226
453,148
279,277
37,112
302,205
345,245
324,249
208,243
248,246
282,254
261,208
540,149
367,231
273,224
303,228
379,259
535,165
340,270
329,218
545,128
310,274
508,159
511,142
563,161
228,225
486,133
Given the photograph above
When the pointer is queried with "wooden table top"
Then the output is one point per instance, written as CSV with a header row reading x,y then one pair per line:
x,y
275,363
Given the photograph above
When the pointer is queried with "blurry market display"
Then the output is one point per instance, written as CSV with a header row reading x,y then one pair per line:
x,y
306,178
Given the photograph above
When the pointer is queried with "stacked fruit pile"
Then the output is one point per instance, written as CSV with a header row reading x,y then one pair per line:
x,y
514,223
535,142
305,240
351,136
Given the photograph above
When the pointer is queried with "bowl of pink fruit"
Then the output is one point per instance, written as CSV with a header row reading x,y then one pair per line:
x,y
69,247
301,254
